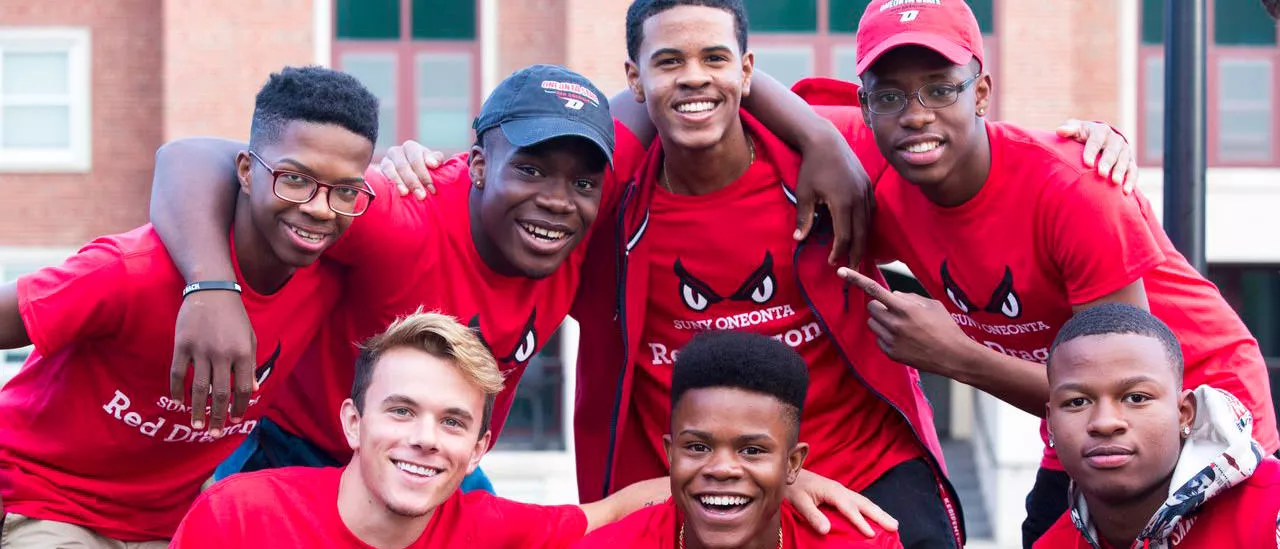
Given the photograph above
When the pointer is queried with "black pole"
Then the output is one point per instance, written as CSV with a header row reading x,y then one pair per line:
x,y
1184,127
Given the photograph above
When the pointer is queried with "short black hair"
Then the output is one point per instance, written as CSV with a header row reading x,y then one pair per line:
x,y
1120,318
742,360
641,10
312,94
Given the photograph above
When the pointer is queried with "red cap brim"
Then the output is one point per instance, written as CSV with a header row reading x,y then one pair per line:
x,y
953,52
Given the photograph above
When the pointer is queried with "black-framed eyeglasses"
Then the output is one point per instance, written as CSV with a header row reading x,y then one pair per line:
x,y
936,95
300,188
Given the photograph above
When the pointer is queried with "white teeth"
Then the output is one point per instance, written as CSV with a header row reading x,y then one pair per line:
x,y
544,234
724,501
416,469
923,147
312,237
696,106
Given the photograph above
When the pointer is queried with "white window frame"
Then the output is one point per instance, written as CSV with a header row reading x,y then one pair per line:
x,y
75,41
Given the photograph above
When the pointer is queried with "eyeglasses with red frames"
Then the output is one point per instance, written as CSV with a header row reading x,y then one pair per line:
x,y
299,188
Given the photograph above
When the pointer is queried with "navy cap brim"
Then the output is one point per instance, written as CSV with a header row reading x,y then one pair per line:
x,y
528,132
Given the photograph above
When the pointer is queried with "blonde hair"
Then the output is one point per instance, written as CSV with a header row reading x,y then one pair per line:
x,y
441,336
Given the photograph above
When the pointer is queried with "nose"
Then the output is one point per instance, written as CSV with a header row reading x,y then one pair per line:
x,y
1107,419
916,116
693,75
318,207
554,197
423,435
724,465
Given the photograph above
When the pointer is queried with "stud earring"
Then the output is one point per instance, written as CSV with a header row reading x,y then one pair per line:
x,y
1051,441
982,112
1186,431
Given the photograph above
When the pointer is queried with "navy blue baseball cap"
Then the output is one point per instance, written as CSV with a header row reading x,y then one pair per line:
x,y
544,102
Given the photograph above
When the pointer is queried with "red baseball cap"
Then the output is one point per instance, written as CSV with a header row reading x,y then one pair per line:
x,y
945,26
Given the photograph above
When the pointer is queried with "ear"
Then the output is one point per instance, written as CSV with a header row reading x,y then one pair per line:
x,y
476,163
982,93
748,68
244,171
666,446
1186,409
350,423
477,453
633,80
795,461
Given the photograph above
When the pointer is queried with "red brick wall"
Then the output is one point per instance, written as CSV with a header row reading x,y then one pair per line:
x,y
587,36
1059,59
529,32
218,54
125,58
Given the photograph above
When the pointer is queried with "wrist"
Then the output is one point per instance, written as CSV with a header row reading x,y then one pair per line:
x,y
968,356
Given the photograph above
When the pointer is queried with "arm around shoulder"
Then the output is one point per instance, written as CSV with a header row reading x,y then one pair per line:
x,y
193,196
13,333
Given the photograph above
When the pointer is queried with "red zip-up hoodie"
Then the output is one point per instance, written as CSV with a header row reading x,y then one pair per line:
x,y
610,307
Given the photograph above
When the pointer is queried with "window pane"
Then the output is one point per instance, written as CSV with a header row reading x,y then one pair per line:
x,y
844,61
368,19
444,100
845,14
985,13
32,127
782,15
1242,23
1245,98
35,73
787,64
444,19
1153,21
378,73
1153,105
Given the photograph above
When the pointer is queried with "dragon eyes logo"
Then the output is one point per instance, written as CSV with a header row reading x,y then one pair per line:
x,y
1004,300
698,295
527,345
263,371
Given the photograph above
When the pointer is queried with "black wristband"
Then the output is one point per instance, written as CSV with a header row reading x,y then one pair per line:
x,y
209,285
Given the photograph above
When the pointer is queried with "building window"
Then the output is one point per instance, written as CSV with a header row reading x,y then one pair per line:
x,y
1241,62
421,58
794,39
44,99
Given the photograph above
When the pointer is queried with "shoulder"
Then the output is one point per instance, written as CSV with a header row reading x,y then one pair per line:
x,y
645,525
1062,533
843,533
1038,154
261,489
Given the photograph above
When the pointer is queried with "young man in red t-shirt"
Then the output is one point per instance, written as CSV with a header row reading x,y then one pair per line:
x,y
1016,233
417,422
93,453
1151,464
733,445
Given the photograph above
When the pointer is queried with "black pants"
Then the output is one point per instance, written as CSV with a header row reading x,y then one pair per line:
x,y
1045,504
909,493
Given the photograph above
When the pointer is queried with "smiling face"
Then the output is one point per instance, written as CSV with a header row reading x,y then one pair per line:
x,y
691,76
1115,411
533,205
731,455
931,148
419,434
298,233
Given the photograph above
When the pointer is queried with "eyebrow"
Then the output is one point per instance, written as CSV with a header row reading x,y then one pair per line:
x,y
1126,383
308,171
459,412
754,437
674,51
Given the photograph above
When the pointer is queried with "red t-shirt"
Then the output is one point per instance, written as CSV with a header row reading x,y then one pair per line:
x,y
658,527
405,254
298,507
89,434
1046,233
724,261
1247,515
